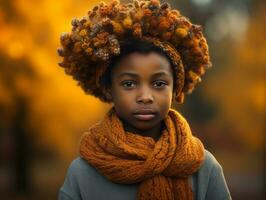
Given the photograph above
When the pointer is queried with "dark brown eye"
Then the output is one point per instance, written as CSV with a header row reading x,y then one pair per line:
x,y
128,84
160,84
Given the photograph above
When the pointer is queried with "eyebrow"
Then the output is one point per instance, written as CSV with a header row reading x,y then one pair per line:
x,y
128,74
160,73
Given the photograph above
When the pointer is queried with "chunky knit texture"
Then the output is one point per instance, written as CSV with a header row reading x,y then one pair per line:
x,y
162,168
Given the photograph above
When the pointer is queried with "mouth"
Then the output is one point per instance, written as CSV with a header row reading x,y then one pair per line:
x,y
144,115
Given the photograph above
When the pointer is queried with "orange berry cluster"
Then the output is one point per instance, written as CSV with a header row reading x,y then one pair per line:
x,y
94,39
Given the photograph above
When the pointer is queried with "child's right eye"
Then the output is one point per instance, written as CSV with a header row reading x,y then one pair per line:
x,y
128,84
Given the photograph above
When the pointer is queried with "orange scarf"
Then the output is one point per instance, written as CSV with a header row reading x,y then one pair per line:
x,y
162,168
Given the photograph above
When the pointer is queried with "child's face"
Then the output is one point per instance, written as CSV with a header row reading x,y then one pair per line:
x,y
142,83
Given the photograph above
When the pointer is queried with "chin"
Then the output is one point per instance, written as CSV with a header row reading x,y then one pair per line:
x,y
144,125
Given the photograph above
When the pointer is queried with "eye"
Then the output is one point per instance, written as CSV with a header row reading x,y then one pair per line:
x,y
128,84
160,84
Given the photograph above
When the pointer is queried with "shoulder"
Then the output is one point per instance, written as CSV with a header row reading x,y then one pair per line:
x,y
210,167
207,170
209,181
84,182
78,174
210,163
79,166
80,171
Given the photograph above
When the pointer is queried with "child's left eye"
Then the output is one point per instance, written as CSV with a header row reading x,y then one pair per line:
x,y
160,84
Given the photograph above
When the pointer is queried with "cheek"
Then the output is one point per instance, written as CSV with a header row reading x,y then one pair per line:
x,y
166,95
122,101
164,100
122,97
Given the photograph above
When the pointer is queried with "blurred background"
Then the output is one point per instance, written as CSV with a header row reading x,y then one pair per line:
x,y
43,112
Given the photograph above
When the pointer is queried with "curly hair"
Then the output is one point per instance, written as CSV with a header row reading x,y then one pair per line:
x,y
96,40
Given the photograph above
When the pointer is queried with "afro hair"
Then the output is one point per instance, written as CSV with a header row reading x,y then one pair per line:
x,y
96,39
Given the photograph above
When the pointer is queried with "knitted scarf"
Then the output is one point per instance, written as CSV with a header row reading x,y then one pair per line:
x,y
162,168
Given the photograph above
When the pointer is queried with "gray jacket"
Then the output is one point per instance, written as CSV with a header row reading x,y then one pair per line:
x,y
83,182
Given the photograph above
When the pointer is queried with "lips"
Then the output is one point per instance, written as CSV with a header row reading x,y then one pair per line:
x,y
145,114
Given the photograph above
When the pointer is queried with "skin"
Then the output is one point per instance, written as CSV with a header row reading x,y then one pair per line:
x,y
142,81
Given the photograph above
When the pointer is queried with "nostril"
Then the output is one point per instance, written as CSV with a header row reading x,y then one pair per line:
x,y
145,99
144,94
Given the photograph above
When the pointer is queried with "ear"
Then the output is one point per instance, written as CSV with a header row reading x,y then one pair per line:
x,y
108,94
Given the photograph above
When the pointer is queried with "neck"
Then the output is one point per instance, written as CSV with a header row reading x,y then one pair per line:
x,y
155,132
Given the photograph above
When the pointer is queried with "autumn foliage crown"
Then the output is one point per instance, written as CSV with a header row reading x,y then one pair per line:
x,y
95,39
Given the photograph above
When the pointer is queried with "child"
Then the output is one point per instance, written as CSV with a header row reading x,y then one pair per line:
x,y
140,57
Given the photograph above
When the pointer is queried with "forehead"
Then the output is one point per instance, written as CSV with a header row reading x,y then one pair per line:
x,y
143,64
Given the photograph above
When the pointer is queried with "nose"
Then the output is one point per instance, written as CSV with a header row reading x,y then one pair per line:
x,y
145,95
